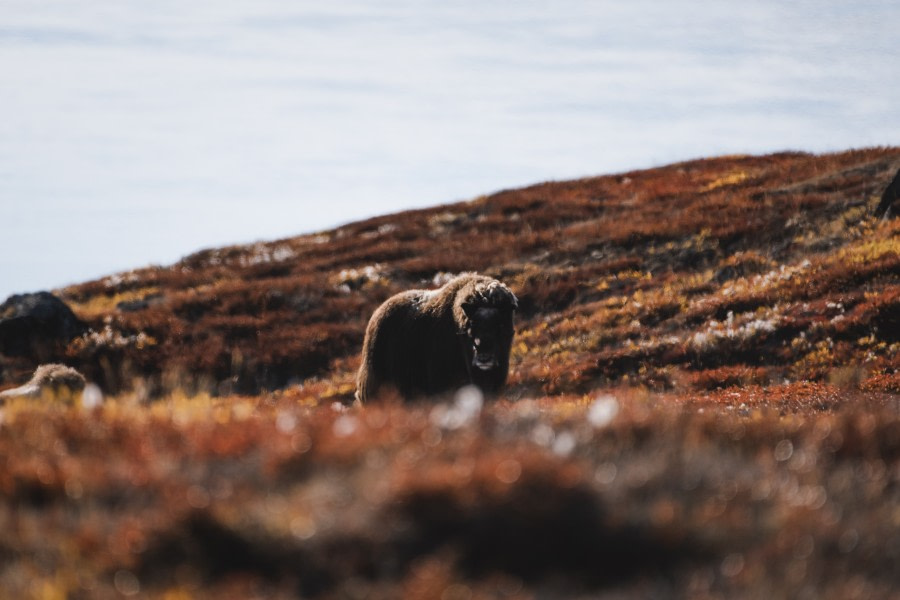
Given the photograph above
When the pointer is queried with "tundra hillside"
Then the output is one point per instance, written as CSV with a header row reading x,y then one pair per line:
x,y
703,401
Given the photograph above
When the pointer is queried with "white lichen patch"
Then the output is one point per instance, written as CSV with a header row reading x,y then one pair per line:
x,y
743,327
348,280
765,281
112,338
263,254
385,229
441,222
119,278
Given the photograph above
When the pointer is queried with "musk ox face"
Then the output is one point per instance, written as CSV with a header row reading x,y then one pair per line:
x,y
489,331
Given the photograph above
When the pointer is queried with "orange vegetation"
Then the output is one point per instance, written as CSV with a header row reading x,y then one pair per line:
x,y
703,402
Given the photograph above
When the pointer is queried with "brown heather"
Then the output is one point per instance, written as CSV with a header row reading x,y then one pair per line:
x,y
703,402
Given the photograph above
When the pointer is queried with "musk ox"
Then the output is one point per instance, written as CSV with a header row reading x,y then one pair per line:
x,y
425,342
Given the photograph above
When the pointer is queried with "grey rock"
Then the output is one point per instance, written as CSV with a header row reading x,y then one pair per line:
x,y
34,324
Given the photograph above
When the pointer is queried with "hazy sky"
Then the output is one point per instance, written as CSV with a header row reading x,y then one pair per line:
x,y
135,132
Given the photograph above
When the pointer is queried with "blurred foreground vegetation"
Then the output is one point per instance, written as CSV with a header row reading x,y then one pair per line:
x,y
703,402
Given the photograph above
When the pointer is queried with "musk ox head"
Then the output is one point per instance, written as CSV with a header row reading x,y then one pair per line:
x,y
486,315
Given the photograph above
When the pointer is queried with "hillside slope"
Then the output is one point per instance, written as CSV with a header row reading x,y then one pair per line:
x,y
690,276
704,402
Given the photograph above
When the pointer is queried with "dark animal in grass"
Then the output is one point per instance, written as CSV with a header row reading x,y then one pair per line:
x,y
422,343
37,325
52,382
888,207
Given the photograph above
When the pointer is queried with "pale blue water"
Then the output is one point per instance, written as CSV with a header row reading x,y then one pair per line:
x,y
137,132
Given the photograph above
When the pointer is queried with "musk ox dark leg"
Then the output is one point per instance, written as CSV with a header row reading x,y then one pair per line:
x,y
365,384
367,380
387,355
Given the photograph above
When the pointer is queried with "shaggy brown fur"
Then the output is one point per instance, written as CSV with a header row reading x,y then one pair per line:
x,y
888,206
51,380
421,343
